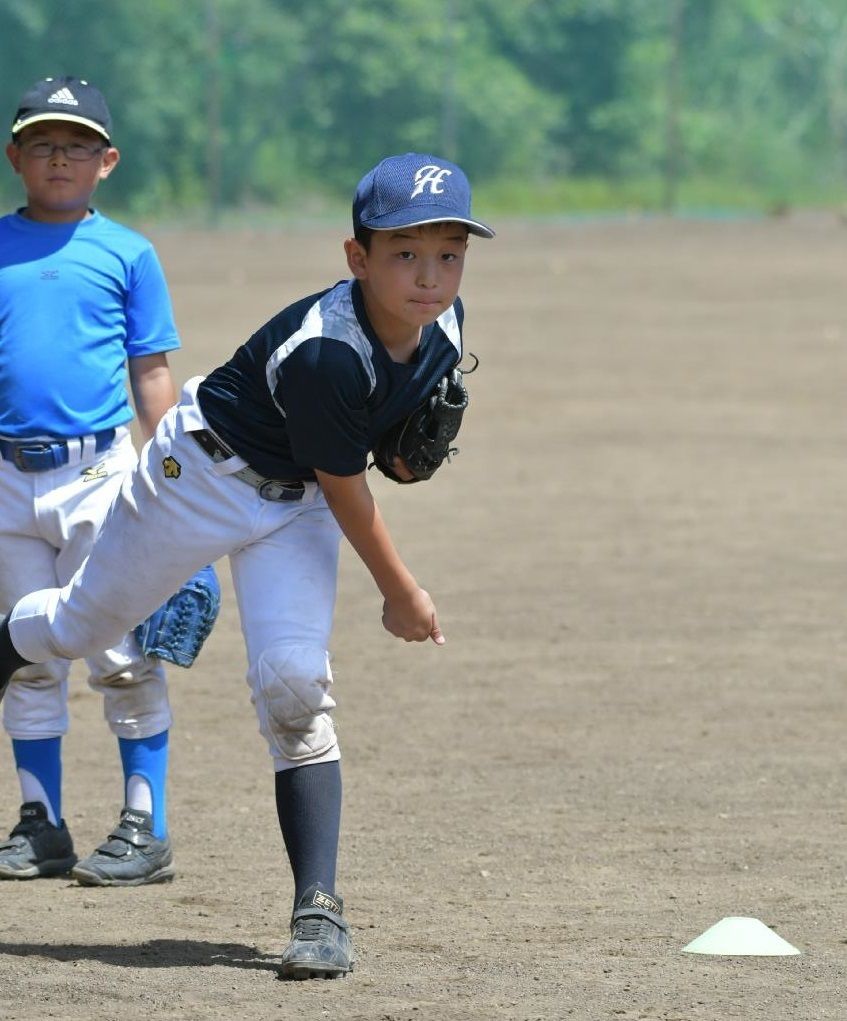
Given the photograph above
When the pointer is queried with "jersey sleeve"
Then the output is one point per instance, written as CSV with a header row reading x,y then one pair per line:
x,y
323,389
150,327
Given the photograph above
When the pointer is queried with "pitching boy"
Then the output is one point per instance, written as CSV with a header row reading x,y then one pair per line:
x,y
82,301
265,460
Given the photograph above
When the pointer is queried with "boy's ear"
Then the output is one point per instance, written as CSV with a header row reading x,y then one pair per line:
x,y
357,258
14,155
111,158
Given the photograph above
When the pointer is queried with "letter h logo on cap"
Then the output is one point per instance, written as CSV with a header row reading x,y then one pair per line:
x,y
431,175
413,190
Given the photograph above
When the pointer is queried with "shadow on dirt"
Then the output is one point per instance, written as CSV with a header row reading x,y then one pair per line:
x,y
155,953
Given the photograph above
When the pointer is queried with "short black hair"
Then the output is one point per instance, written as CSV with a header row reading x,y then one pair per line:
x,y
363,235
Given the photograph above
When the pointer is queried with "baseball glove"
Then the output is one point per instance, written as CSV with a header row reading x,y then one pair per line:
x,y
177,630
423,440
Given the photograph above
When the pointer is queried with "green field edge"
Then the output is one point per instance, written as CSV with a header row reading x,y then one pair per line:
x,y
561,201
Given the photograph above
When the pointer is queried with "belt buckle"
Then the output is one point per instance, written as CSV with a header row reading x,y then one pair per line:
x,y
278,491
24,449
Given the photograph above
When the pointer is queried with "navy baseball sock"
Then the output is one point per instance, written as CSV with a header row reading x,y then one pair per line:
x,y
308,803
10,659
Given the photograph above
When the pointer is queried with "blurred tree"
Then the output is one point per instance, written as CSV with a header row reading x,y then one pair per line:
x,y
222,103
375,84
573,51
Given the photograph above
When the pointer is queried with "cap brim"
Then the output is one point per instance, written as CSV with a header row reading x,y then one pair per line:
x,y
25,122
474,226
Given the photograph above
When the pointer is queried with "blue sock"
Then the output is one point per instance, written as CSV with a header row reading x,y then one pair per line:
x,y
147,757
308,803
43,758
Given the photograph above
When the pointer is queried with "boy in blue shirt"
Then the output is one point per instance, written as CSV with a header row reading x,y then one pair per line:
x,y
265,461
83,302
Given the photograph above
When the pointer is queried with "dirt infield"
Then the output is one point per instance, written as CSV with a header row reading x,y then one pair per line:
x,y
637,725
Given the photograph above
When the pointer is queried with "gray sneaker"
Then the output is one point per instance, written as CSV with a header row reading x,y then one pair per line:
x,y
36,847
320,944
131,856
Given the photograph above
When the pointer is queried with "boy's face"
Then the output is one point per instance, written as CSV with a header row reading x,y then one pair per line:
x,y
409,276
59,187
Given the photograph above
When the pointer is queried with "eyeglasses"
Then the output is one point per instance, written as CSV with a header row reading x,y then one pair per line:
x,y
77,151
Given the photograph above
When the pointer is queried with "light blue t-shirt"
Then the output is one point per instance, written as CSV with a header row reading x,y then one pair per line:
x,y
76,300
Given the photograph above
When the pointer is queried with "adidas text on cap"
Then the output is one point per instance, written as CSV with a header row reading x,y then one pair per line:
x,y
412,190
64,99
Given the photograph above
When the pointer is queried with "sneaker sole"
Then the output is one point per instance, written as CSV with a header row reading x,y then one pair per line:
x,y
42,870
303,972
162,875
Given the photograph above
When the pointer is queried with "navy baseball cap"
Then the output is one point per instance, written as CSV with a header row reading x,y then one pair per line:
x,y
414,189
64,99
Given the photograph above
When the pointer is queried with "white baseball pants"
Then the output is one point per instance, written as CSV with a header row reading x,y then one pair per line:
x,y
176,512
48,524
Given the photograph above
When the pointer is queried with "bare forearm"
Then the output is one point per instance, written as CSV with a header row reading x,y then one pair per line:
x,y
153,391
408,611
362,523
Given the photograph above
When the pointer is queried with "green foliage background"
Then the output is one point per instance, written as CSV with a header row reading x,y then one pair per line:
x,y
240,107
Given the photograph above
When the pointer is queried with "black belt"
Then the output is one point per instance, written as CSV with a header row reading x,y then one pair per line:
x,y
43,454
269,489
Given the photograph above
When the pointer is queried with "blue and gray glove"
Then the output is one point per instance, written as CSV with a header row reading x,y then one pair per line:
x,y
177,630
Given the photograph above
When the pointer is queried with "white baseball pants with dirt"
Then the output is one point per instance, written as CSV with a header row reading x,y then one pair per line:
x,y
48,524
178,511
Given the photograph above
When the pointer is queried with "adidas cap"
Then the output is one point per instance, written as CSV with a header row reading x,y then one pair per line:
x,y
64,99
414,189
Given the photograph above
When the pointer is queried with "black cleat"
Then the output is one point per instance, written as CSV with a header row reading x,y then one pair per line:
x,y
36,847
320,944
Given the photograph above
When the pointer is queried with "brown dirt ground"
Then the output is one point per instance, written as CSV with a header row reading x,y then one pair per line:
x,y
637,725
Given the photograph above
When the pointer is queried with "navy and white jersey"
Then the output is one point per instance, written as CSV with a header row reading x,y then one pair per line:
x,y
315,387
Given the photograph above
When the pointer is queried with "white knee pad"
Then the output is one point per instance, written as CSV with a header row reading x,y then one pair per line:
x,y
36,702
135,702
291,685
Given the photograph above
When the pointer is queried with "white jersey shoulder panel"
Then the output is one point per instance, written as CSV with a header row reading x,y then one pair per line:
x,y
450,325
333,318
